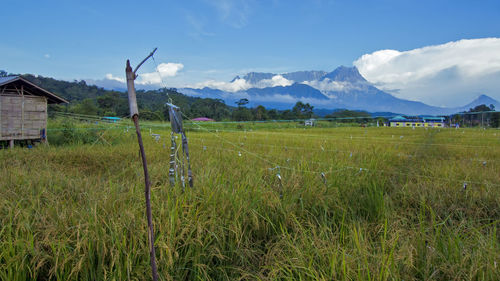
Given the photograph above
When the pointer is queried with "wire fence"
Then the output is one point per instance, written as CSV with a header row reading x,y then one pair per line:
x,y
275,163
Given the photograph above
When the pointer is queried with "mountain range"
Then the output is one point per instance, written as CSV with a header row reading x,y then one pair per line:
x,y
344,87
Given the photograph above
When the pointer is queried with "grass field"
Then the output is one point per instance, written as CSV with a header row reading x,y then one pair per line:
x,y
390,205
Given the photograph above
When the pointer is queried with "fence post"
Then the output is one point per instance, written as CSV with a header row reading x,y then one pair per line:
x,y
134,113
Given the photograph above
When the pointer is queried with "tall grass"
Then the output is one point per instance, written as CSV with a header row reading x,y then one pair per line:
x,y
76,211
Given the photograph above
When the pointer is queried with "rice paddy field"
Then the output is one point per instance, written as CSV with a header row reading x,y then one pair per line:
x,y
270,202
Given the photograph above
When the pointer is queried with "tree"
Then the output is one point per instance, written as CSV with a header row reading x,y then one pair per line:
x,y
347,116
480,108
242,114
287,115
87,107
242,102
302,110
483,117
495,119
260,113
211,108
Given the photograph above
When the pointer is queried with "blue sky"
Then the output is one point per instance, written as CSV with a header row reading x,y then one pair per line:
x,y
218,39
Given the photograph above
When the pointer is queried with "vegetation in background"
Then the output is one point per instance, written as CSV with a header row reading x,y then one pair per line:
x,y
349,116
93,100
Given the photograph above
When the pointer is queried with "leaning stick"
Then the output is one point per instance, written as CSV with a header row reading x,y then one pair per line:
x,y
134,113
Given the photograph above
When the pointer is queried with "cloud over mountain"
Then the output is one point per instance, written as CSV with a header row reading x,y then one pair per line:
x,y
245,83
169,69
441,74
148,80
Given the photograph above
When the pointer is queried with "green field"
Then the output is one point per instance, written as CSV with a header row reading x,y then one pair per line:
x,y
390,206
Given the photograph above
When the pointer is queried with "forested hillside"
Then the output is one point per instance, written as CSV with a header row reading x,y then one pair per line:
x,y
93,100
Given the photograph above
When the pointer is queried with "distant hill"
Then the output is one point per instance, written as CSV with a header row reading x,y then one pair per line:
x,y
93,100
344,87
482,99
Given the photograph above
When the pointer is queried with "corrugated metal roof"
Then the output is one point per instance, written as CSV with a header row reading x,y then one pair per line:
x,y
433,118
399,118
7,79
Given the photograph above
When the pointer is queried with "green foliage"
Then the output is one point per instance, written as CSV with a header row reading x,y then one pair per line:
x,y
481,115
482,107
242,102
86,106
302,111
68,132
260,113
349,116
242,114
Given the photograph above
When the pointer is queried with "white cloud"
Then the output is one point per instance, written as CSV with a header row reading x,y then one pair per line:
x,y
276,80
241,84
235,86
47,56
449,74
110,76
328,85
165,69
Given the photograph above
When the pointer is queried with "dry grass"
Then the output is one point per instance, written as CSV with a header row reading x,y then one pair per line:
x,y
76,212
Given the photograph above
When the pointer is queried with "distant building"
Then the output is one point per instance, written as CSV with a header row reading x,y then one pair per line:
x,y
23,110
111,119
417,121
203,119
310,122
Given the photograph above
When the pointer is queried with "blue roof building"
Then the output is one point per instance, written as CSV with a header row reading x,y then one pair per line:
x,y
417,121
111,119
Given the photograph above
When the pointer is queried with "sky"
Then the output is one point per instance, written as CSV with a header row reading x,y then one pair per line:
x,y
440,52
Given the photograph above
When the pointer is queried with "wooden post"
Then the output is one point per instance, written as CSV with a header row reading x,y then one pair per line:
x,y
22,111
1,131
46,140
11,144
134,113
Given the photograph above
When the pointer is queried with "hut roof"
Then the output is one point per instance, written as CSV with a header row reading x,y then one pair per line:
x,y
32,88
202,119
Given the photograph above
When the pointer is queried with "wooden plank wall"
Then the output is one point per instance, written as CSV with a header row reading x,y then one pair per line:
x,y
22,117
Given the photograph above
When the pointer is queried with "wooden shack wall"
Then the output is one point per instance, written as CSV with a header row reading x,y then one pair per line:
x,y
22,116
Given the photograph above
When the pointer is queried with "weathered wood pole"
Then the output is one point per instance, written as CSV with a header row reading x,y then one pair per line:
x,y
134,113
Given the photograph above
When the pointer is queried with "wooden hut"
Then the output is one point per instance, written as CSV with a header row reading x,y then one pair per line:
x,y
23,110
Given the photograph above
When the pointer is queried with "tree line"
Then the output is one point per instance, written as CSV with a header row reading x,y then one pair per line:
x,y
93,100
479,116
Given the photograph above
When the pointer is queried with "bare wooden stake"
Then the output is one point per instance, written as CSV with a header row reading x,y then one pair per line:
x,y
134,113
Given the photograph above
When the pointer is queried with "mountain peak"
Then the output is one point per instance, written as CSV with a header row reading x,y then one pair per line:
x,y
302,76
484,99
235,78
345,74
255,77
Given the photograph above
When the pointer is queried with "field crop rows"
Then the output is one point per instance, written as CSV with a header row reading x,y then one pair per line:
x,y
352,204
